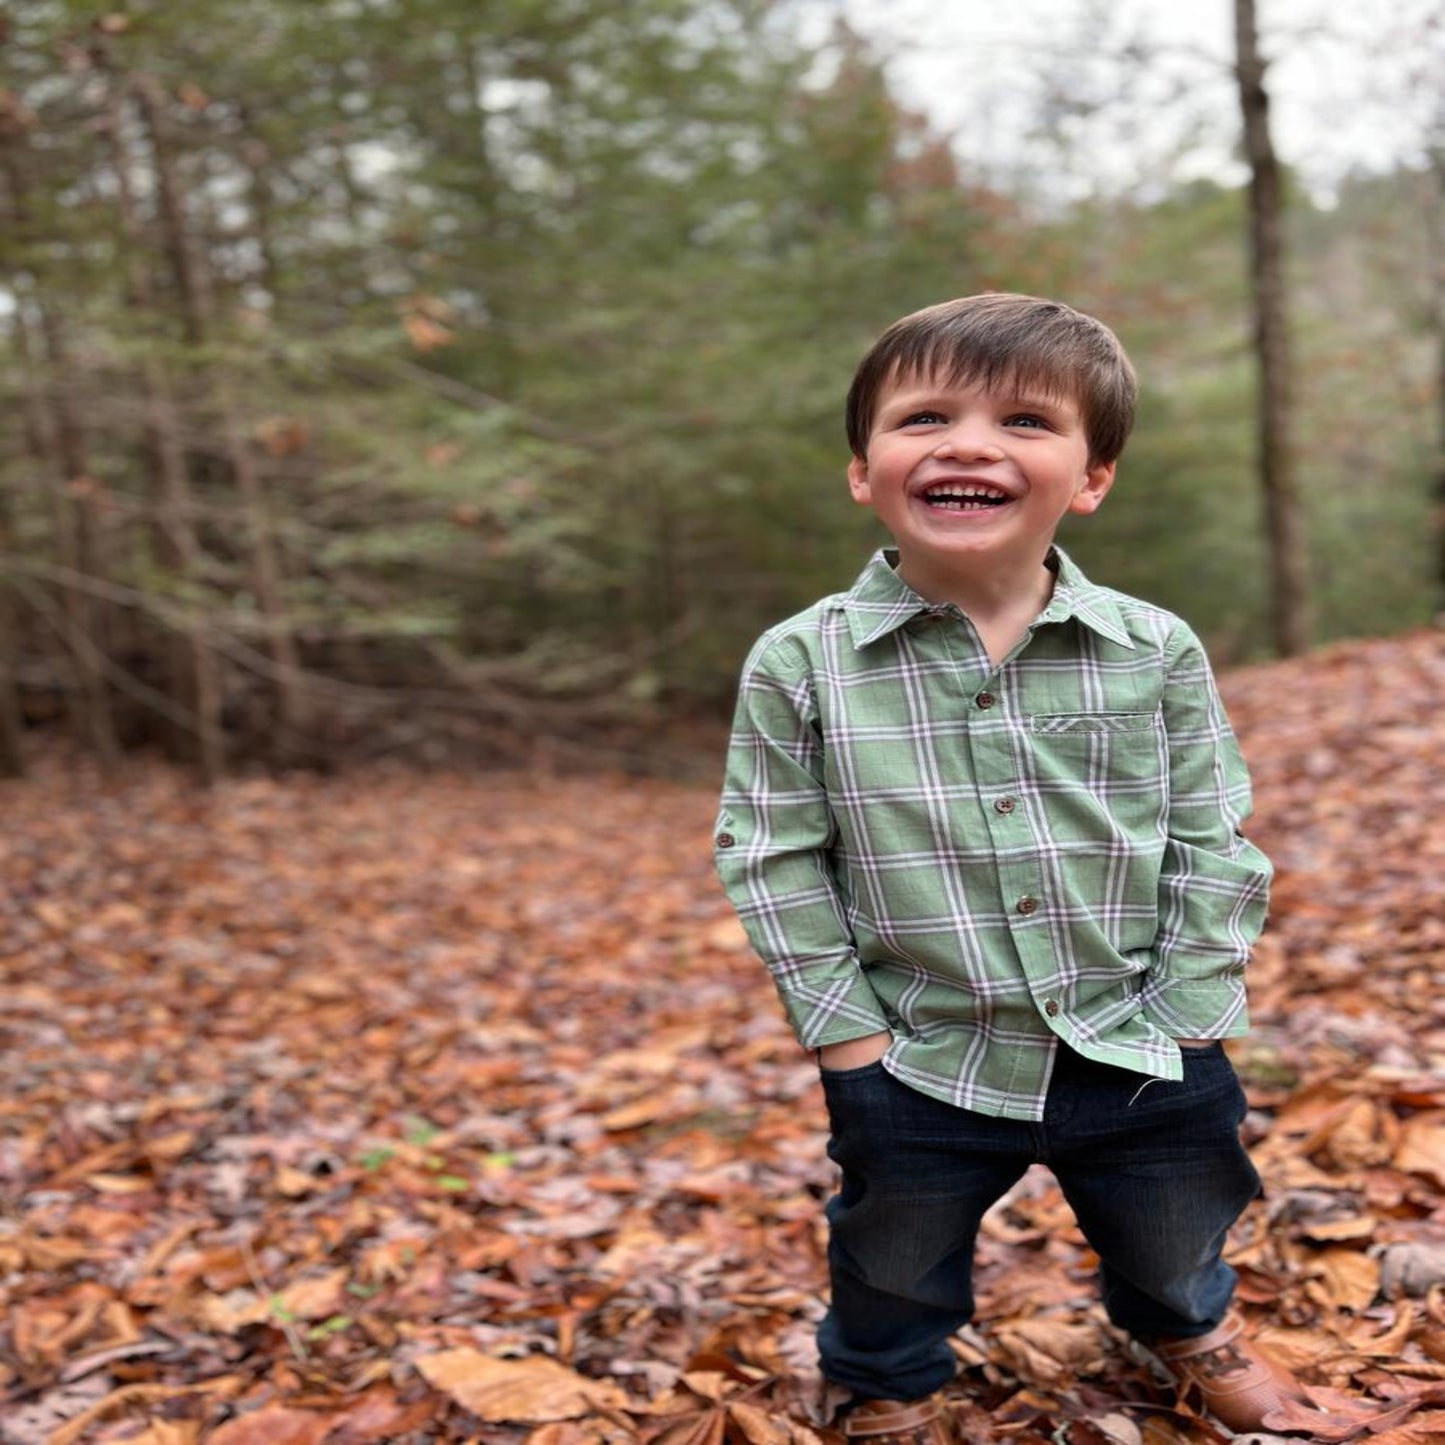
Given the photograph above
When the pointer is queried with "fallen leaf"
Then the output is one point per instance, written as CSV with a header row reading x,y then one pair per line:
x,y
757,1426
1421,1148
1424,1429
1352,1279
1113,1428
1353,1226
75,1429
1049,1350
168,1432
516,1390
306,1300
1361,1134
1337,1416
276,1425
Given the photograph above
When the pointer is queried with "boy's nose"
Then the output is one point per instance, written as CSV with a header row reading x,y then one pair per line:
x,y
968,442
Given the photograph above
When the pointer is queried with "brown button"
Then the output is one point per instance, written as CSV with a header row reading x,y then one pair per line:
x,y
985,699
1052,1008
725,840
1027,904
1004,805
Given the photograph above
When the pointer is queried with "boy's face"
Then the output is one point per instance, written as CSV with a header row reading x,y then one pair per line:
x,y
973,482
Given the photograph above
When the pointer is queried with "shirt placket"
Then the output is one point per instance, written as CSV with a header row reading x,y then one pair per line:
x,y
1021,867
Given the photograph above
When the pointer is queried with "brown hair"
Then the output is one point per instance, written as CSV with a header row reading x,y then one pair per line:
x,y
999,340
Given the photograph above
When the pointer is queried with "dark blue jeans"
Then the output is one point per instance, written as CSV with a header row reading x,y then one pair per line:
x,y
1153,1170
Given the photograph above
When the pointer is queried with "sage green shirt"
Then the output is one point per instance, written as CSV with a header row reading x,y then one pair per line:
x,y
990,860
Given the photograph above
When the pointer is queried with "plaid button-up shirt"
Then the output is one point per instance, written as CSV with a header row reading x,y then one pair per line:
x,y
985,860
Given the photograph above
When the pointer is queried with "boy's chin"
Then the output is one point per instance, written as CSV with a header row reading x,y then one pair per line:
x,y
973,550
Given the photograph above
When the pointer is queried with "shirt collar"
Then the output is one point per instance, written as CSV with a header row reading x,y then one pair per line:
x,y
1075,596
880,601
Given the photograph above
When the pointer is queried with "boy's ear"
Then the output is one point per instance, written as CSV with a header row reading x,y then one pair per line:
x,y
858,484
1098,478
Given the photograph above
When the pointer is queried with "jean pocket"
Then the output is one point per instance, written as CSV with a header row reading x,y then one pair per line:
x,y
1212,1050
1209,1074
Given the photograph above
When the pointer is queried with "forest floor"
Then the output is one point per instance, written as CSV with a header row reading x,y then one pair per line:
x,y
399,1107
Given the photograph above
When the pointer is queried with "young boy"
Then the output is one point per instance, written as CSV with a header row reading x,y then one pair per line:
x,y
981,822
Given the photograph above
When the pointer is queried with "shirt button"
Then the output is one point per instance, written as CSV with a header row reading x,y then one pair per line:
x,y
985,699
1027,905
1004,805
725,840
1052,1008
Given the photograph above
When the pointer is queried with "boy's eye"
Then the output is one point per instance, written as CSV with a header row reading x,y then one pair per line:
x,y
1026,419
924,418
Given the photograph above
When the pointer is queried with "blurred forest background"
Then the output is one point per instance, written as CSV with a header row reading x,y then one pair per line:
x,y
421,377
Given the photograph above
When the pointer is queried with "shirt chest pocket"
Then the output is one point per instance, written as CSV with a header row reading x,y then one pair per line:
x,y
1116,762
1089,727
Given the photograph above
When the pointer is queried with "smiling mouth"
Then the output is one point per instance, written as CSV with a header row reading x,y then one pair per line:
x,y
969,497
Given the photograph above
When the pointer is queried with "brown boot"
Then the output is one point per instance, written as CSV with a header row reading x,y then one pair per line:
x,y
898,1422
1229,1376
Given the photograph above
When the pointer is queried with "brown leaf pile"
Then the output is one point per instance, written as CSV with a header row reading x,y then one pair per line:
x,y
405,1108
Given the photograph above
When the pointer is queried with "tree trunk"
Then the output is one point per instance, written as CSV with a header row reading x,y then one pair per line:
x,y
287,680
194,668
57,441
185,265
1288,551
79,537
255,155
12,725
1435,232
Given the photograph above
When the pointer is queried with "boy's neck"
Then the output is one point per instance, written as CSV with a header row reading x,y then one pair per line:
x,y
986,596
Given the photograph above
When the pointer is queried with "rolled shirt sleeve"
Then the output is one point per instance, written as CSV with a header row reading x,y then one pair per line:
x,y
1213,883
773,848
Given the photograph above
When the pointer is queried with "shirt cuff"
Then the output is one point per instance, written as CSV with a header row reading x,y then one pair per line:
x,y
828,1005
1196,1008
